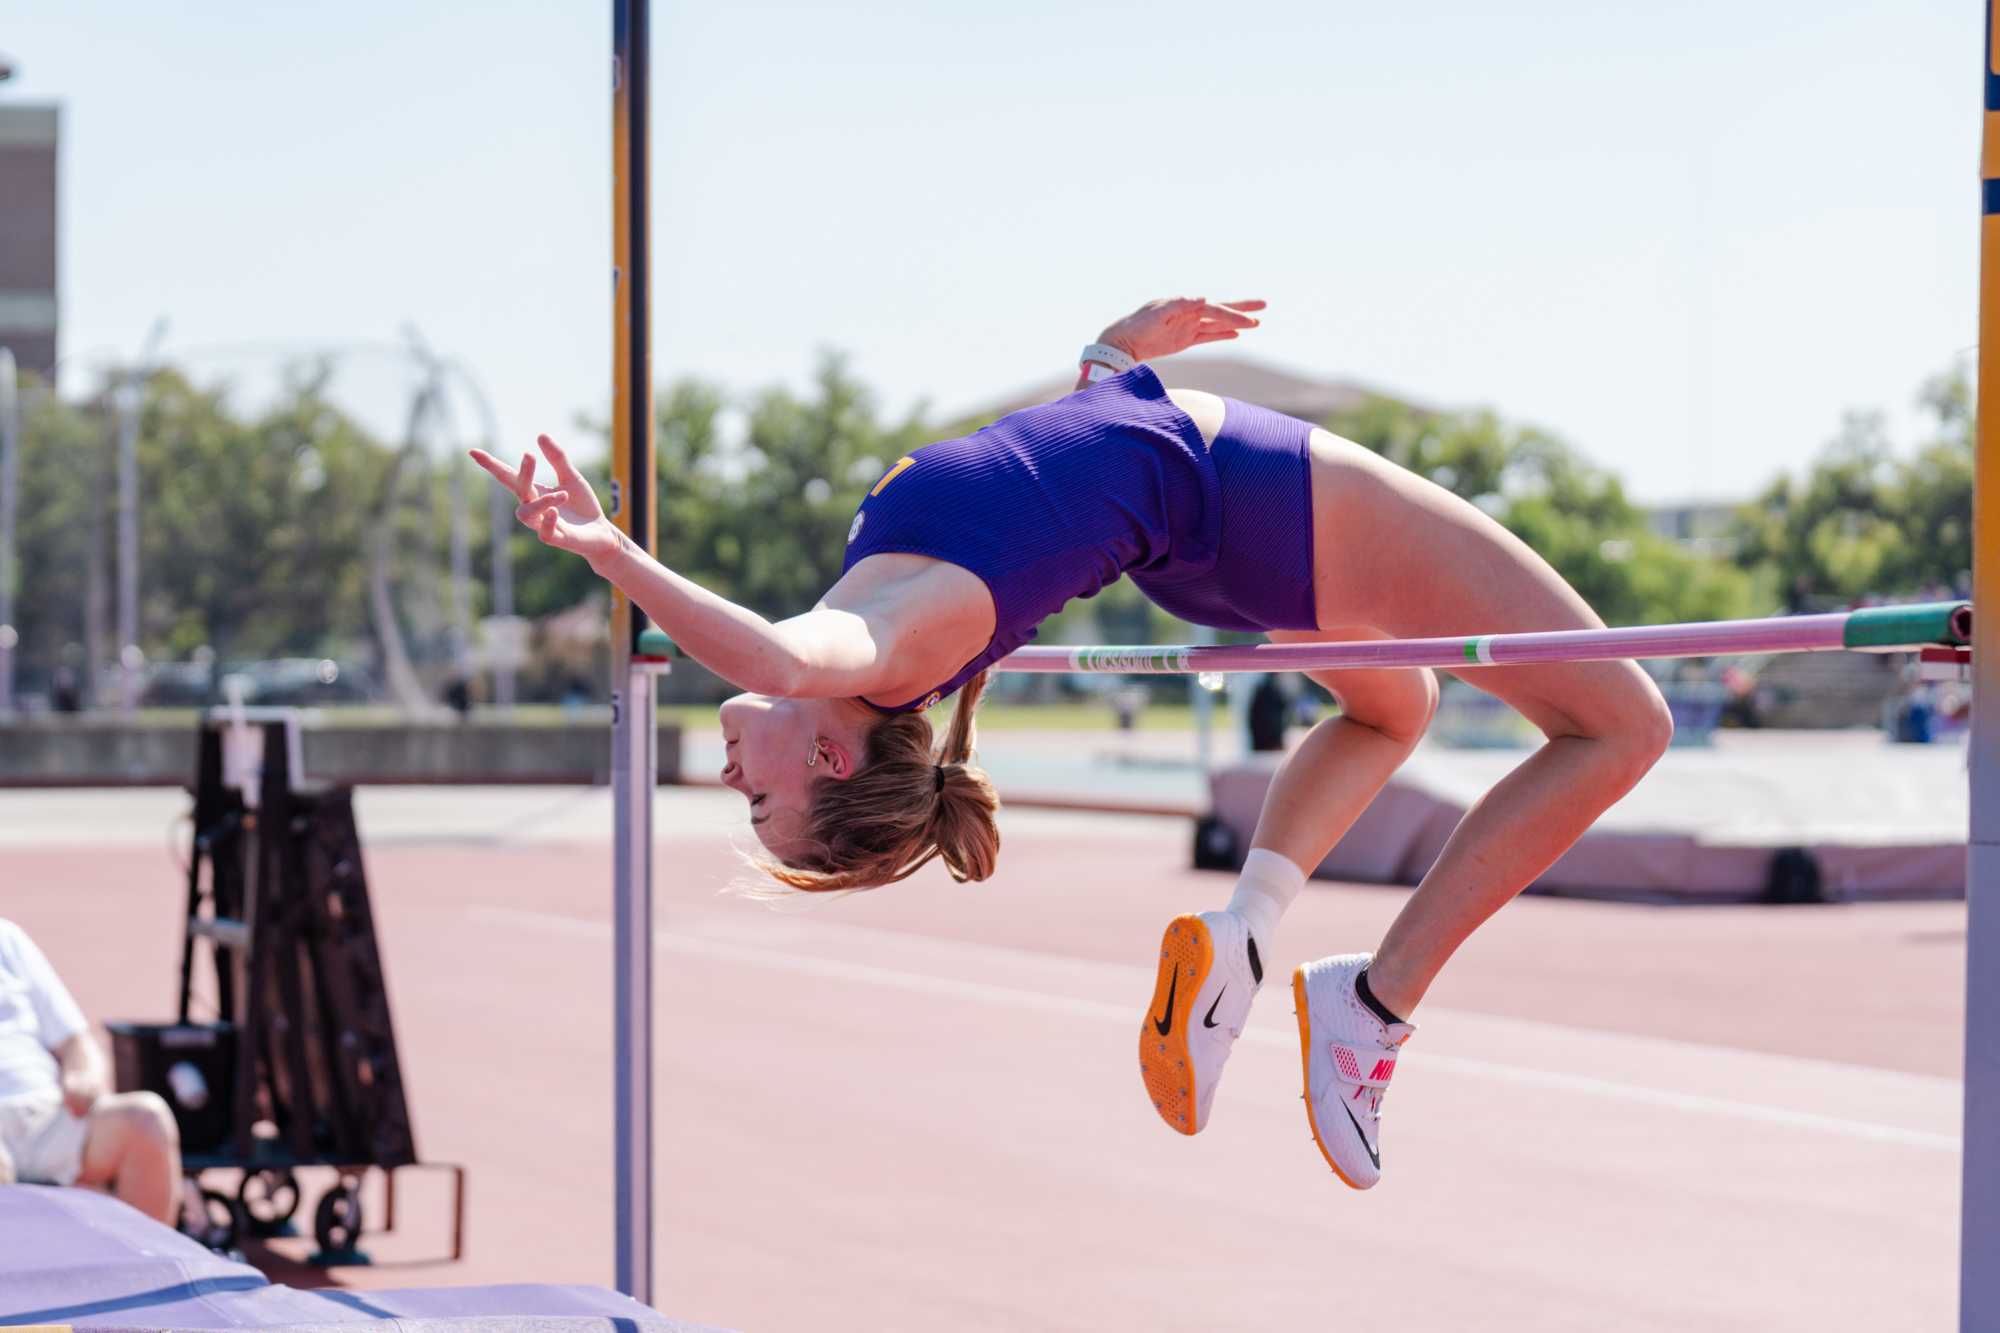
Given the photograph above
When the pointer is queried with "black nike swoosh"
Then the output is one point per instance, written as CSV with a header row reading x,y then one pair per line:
x,y
1373,1156
1208,1019
1165,1022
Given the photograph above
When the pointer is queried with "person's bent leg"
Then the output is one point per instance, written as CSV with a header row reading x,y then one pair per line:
x,y
1321,787
1210,963
1407,555
1326,784
133,1147
1404,554
1610,728
1340,766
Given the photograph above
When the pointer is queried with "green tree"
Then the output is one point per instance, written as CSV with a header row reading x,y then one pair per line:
x,y
254,531
1575,515
763,519
256,525
1861,522
253,526
62,514
1933,500
1467,453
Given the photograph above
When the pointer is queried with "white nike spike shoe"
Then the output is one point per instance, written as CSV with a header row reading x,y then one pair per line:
x,y
1209,971
1349,1055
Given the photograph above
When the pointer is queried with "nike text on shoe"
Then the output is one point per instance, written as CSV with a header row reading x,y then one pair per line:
x,y
1349,1056
1209,971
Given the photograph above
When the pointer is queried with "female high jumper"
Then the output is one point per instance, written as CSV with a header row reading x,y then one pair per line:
x,y
1224,514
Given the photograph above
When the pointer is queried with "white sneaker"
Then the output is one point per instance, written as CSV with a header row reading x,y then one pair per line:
x,y
1209,970
1349,1056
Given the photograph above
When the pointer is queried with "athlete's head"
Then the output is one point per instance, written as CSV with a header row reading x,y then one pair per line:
x,y
844,799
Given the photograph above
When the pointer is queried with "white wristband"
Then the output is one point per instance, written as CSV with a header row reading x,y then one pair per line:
x,y
1106,355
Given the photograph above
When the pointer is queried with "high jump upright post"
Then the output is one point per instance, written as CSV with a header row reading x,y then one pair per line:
x,y
1979,1273
635,759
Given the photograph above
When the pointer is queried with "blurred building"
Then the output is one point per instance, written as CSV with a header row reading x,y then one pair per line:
x,y
28,310
1707,527
1307,397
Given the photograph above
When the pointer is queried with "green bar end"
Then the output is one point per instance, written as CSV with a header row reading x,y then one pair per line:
x,y
655,643
1915,626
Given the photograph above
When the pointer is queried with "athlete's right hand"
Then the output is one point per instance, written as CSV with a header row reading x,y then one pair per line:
x,y
565,515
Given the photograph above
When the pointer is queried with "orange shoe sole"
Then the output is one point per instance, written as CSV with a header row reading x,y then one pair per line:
x,y
1186,955
1305,1072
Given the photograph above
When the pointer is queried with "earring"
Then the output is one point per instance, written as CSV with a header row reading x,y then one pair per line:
x,y
813,758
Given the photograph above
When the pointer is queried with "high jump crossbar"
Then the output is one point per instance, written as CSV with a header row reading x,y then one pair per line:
x,y
1869,629
1876,629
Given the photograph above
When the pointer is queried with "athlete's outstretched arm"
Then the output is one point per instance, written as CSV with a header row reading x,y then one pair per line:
x,y
825,653
1161,328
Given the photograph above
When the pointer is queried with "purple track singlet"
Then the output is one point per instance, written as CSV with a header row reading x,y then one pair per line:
x,y
1056,501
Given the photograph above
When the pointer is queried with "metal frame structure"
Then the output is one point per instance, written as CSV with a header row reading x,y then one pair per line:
x,y
635,759
10,484
1943,632
1979,1269
639,654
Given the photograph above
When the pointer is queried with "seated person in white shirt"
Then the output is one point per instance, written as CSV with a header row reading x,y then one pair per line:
x,y
58,1124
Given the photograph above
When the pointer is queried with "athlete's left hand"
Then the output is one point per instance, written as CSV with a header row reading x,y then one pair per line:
x,y
1161,328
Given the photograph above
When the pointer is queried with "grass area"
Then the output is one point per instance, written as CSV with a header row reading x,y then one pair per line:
x,y
1078,717
1005,717
348,715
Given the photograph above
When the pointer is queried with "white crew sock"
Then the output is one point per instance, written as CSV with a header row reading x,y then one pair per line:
x,y
1268,884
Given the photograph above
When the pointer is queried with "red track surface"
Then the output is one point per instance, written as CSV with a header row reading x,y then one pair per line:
x,y
921,1108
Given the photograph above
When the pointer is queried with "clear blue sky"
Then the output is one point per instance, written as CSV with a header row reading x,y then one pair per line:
x,y
1686,237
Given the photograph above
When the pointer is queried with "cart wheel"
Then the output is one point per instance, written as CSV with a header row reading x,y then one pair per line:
x,y
268,1198
337,1220
220,1222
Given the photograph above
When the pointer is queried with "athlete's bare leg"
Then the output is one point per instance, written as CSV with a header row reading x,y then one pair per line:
x,y
1407,558
1330,777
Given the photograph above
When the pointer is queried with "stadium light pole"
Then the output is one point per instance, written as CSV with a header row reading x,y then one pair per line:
x,y
131,394
10,478
635,760
459,615
1979,1275
10,485
500,527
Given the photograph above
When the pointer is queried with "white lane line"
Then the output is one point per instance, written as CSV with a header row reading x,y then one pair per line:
x,y
836,969
1688,1101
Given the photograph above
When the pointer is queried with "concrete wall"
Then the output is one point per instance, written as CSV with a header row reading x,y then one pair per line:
x,y
96,754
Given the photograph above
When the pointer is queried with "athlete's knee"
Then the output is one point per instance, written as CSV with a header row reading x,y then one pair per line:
x,y
1425,697
1398,704
1618,709
1644,728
